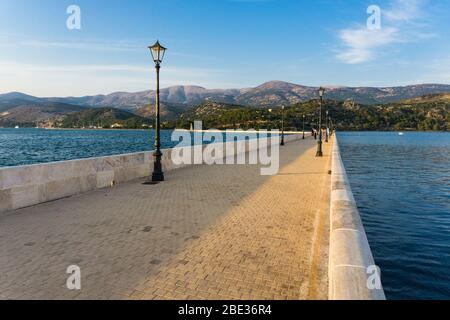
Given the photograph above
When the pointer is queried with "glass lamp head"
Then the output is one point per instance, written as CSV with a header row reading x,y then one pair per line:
x,y
158,52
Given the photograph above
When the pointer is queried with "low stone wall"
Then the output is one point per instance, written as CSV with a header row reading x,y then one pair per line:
x,y
25,186
350,253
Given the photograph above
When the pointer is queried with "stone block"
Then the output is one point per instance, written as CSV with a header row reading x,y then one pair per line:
x,y
345,216
350,283
1,179
340,185
350,247
342,195
107,163
5,201
84,167
58,171
58,189
20,176
24,196
105,179
88,182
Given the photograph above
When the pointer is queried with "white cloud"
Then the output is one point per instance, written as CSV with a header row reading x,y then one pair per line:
x,y
25,42
361,43
401,23
405,11
99,46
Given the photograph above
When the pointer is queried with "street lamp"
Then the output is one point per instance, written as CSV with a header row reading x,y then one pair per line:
x,y
282,125
319,143
330,126
313,127
158,52
326,129
270,119
303,127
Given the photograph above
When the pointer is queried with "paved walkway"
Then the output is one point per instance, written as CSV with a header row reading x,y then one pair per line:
x,y
209,232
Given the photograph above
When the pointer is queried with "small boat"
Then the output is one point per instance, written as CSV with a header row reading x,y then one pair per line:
x,y
16,127
401,134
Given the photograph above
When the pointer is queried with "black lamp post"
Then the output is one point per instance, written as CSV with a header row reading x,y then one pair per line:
x,y
158,52
313,127
326,129
270,120
303,127
330,126
319,143
282,125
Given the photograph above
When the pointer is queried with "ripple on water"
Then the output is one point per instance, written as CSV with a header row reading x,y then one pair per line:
x,y
402,188
31,146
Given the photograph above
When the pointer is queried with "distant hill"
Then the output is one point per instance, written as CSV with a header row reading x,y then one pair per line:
x,y
104,118
182,95
25,111
213,109
276,93
426,113
225,116
428,99
168,111
270,94
179,99
12,96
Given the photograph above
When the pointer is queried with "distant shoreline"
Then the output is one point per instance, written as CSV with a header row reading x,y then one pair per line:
x,y
78,129
217,130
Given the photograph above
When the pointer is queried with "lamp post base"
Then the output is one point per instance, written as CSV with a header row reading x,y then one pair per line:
x,y
319,150
158,174
158,177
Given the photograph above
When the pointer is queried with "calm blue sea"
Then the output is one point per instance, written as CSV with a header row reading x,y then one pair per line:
x,y
31,146
402,188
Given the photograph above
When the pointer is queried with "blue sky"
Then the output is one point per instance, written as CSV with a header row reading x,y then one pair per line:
x,y
220,44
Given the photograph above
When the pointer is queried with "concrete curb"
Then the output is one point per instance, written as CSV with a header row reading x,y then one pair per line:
x,y
351,261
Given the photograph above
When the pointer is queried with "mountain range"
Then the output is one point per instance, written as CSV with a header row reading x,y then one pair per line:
x,y
176,100
17,108
270,94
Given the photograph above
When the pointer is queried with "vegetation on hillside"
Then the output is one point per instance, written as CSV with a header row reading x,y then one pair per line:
x,y
425,113
104,118
428,113
29,114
